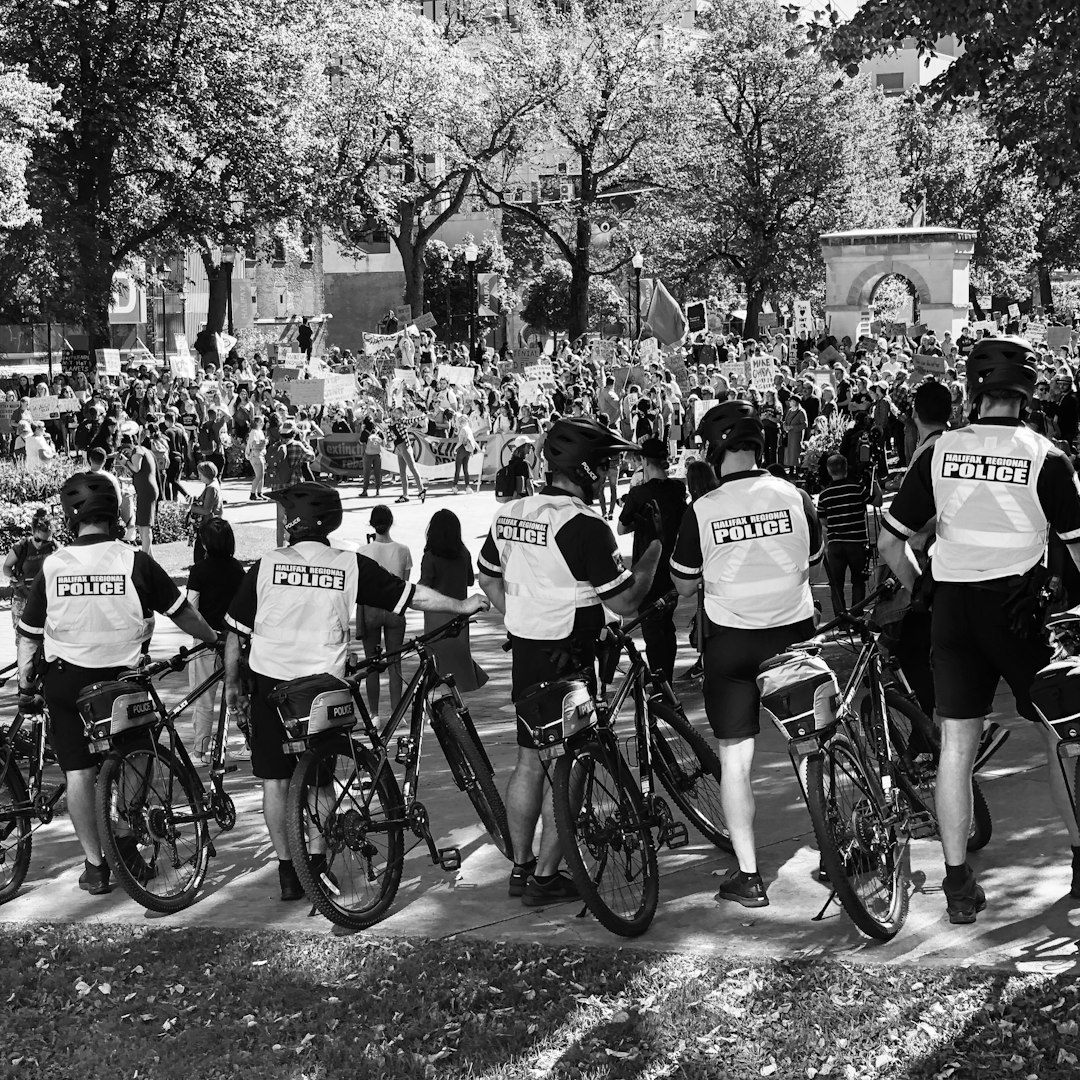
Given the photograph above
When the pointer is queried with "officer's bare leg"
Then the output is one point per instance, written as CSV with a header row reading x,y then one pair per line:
x,y
737,798
80,803
524,802
1058,791
274,794
959,745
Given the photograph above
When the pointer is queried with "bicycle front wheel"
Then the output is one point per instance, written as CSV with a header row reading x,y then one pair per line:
x,y
472,773
865,858
16,838
606,840
689,769
340,810
149,812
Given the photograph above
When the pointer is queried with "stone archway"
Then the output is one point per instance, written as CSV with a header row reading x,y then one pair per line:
x,y
935,261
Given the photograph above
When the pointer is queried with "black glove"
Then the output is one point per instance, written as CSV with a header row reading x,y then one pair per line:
x,y
1026,606
30,701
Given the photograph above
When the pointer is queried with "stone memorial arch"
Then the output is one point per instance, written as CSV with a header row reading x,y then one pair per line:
x,y
935,261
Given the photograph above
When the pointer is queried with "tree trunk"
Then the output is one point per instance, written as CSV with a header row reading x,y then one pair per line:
x,y
219,281
580,274
755,301
414,277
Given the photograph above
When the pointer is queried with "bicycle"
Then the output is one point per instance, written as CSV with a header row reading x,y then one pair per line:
x,y
866,765
149,790
346,813
605,819
22,799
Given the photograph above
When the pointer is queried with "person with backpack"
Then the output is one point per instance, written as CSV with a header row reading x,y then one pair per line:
x,y
514,479
24,560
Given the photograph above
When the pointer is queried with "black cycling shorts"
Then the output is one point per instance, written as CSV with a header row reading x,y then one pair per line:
x,y
732,660
544,661
973,649
61,687
268,760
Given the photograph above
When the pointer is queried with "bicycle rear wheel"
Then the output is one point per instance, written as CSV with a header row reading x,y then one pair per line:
x,y
472,773
918,744
689,769
148,809
338,807
16,838
606,840
865,859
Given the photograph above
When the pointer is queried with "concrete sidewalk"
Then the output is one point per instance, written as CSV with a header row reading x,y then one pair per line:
x,y
1029,925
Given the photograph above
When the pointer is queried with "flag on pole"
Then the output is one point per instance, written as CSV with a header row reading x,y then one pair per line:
x,y
665,317
918,219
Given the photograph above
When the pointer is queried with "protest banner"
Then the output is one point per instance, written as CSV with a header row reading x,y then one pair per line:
x,y
1059,336
108,361
375,343
457,376
985,302
928,365
426,321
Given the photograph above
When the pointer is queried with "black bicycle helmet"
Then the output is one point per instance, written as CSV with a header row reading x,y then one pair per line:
x,y
730,423
1001,363
576,446
311,508
89,496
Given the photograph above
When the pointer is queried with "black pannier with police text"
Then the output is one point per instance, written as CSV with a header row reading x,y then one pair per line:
x,y
113,708
1056,694
800,692
311,705
553,711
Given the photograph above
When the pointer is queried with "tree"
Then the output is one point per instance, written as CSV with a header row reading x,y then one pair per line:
x,y
1017,60
774,154
26,117
181,124
607,74
549,301
446,281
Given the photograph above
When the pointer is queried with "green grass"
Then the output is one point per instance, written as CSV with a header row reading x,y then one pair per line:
x,y
114,1003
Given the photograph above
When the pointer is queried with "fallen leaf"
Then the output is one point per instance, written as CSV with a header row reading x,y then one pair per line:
x,y
768,1070
105,988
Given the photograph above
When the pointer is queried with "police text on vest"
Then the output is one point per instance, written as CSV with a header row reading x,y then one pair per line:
x,y
751,527
1003,470
309,577
521,532
91,585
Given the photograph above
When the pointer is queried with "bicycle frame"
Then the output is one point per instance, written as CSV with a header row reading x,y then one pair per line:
x,y
37,802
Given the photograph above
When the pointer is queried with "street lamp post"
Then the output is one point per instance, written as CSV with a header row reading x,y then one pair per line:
x,y
163,272
637,262
471,254
228,259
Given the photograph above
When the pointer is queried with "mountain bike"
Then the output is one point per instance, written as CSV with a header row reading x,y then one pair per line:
x,y
23,798
606,819
866,760
148,788
346,815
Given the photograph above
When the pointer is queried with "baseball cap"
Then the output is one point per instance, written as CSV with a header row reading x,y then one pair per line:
x,y
654,449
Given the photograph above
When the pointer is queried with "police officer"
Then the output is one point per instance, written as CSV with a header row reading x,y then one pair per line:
x,y
89,613
550,564
997,489
751,541
295,607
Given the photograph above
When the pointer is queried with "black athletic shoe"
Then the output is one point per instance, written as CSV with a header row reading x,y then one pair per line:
x,y
745,889
965,902
291,889
140,869
519,876
559,890
993,739
95,879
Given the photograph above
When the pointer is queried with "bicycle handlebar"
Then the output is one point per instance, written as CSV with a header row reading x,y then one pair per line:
x,y
169,664
381,661
852,617
666,603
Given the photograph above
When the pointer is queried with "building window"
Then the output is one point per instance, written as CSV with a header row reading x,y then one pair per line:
x,y
891,83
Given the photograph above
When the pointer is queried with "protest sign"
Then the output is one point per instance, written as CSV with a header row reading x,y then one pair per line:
x,y
457,376
829,355
985,302
7,410
426,321
1014,311
1058,336
403,314
338,389
305,392
181,362
804,317
679,371
604,351
917,331
108,361
649,351
1035,332
77,362
761,373
528,354
283,373
407,378
735,373
528,392
541,373
928,365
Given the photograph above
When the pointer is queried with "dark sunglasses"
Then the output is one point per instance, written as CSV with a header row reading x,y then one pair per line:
x,y
40,539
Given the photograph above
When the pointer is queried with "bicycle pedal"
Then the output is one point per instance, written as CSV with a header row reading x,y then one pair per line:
x,y
677,835
450,858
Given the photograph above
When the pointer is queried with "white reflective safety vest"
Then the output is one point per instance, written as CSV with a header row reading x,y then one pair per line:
x,y
990,523
542,595
755,548
93,615
305,601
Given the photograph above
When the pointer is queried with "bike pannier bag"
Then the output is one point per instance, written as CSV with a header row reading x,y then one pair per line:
x,y
310,705
553,711
1056,694
800,692
110,708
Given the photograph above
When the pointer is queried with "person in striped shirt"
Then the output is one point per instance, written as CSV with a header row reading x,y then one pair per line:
x,y
842,509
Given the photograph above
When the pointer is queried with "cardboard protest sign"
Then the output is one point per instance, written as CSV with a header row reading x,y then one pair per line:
x,y
1035,332
305,392
457,376
403,313
541,373
283,373
829,355
928,365
181,362
804,317
108,361
528,392
426,321
735,373
678,369
7,410
649,351
528,354
1014,311
604,351
1058,336
407,378
761,373
339,389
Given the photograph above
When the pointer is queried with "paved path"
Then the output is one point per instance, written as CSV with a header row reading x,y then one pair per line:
x,y
1029,925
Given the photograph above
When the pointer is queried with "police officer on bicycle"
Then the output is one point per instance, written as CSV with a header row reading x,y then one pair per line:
x,y
998,489
295,607
550,564
751,541
89,614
